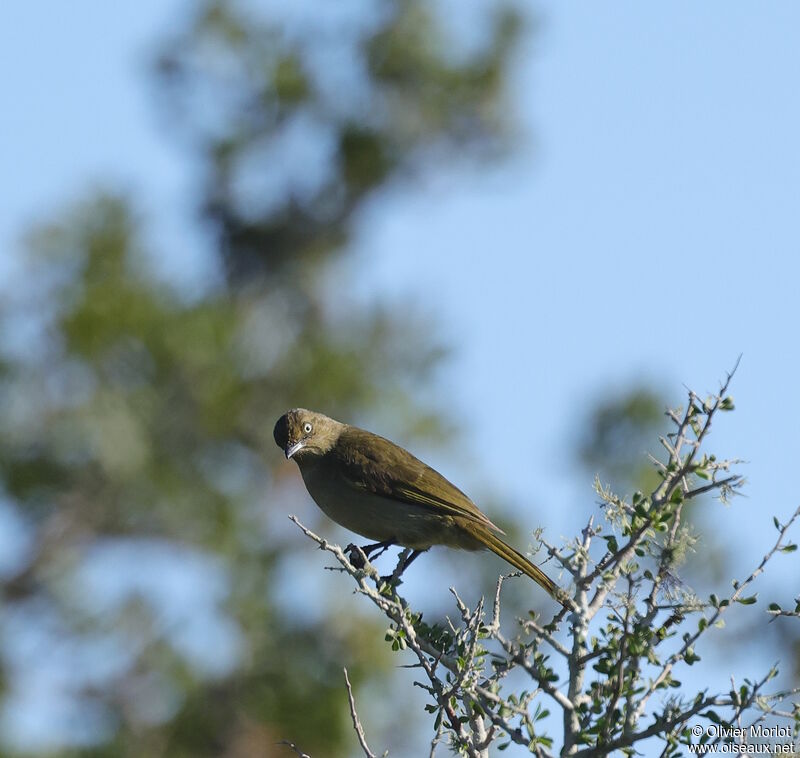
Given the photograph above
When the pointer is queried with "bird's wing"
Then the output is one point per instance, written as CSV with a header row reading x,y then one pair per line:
x,y
389,470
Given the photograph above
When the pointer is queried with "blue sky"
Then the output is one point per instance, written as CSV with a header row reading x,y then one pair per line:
x,y
648,230
647,227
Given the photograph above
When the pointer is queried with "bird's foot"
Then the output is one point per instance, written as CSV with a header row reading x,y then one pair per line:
x,y
359,555
356,555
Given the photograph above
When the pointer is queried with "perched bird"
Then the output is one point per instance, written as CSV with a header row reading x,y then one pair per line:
x,y
377,489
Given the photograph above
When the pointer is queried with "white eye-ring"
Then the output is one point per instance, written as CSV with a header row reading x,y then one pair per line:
x,y
307,427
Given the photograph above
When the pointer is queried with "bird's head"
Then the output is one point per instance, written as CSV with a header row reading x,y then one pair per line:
x,y
301,433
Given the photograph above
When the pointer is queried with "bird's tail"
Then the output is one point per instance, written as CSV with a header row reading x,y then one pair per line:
x,y
519,561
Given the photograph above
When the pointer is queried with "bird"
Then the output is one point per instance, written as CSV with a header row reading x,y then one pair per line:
x,y
377,489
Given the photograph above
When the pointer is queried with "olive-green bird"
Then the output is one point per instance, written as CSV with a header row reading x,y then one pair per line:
x,y
379,490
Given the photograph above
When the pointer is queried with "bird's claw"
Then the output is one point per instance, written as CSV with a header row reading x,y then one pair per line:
x,y
356,556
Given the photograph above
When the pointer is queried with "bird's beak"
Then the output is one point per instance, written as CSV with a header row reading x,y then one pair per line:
x,y
292,449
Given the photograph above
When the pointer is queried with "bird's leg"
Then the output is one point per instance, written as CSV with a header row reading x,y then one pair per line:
x,y
355,557
381,547
411,558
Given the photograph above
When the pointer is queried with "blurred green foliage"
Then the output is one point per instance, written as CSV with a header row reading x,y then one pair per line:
x,y
136,414
617,432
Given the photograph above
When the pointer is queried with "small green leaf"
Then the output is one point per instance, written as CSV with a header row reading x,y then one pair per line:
x,y
747,600
790,548
690,656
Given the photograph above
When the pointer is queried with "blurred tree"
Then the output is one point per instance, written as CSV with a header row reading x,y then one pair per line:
x,y
140,609
616,432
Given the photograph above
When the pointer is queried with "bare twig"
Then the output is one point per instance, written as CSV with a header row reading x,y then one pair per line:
x,y
354,715
716,485
293,748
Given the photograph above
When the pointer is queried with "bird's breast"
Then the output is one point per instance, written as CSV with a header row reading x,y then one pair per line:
x,y
378,517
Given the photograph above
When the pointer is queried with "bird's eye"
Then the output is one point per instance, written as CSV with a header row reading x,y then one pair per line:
x,y
307,427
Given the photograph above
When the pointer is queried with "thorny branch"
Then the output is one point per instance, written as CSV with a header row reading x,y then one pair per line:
x,y
604,676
